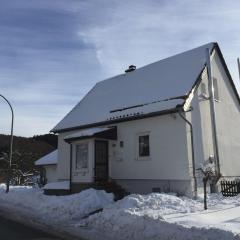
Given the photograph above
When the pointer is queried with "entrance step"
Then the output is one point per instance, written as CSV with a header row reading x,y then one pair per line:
x,y
113,187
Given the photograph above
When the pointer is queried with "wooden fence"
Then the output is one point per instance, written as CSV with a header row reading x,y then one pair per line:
x,y
230,188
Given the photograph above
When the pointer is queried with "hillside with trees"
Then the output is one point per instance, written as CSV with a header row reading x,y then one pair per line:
x,y
25,151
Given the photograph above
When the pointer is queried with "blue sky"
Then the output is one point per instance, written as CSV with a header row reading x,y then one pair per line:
x,y
53,51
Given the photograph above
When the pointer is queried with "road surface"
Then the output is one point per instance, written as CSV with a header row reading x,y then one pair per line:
x,y
10,230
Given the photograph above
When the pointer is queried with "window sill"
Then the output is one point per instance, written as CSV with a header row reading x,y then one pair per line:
x,y
143,158
83,170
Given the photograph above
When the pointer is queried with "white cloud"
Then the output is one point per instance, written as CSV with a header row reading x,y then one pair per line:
x,y
142,32
44,80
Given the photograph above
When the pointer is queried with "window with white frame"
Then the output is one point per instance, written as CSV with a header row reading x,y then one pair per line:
x,y
143,146
216,90
81,156
203,90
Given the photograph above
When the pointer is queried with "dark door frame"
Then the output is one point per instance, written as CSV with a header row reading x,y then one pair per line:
x,y
107,160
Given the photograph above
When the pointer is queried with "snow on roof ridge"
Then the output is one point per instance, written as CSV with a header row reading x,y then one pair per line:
x,y
159,61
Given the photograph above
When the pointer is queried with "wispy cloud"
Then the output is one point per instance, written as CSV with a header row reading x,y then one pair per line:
x,y
53,52
144,31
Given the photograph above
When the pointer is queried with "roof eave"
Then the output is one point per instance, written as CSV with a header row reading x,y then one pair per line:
x,y
227,71
110,122
47,164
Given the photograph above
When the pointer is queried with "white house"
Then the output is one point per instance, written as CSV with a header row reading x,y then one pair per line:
x,y
152,128
49,167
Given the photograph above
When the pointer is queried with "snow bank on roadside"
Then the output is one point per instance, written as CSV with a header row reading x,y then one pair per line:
x,y
136,217
63,185
146,217
123,225
56,208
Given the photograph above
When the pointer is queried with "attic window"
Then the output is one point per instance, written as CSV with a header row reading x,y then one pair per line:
x,y
203,89
216,90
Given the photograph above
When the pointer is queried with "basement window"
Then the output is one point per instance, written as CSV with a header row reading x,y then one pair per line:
x,y
143,146
82,156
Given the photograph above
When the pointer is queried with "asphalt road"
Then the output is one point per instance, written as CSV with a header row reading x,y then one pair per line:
x,y
10,230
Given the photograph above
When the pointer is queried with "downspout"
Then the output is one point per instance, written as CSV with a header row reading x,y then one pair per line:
x,y
213,114
238,62
193,152
70,178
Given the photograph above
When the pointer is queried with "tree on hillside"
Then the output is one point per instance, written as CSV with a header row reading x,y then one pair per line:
x,y
25,152
51,139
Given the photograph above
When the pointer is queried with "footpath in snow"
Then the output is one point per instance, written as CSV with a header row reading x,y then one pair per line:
x,y
152,216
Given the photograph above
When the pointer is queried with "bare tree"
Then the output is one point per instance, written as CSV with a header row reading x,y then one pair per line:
x,y
209,175
21,170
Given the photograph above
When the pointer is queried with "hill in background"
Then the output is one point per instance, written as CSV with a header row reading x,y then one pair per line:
x,y
27,150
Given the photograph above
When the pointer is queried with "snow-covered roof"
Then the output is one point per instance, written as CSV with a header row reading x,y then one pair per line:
x,y
156,87
86,133
49,159
64,185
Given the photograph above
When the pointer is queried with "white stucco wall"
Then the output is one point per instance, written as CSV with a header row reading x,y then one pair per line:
x,y
63,167
200,118
227,121
51,173
168,150
169,158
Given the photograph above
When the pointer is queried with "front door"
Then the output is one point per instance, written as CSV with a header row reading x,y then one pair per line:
x,y
101,160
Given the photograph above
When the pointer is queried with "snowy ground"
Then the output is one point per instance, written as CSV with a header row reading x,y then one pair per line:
x,y
153,216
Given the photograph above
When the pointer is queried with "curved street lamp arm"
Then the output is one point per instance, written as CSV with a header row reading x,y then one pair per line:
x,y
11,141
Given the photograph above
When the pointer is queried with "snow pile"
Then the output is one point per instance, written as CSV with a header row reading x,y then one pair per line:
x,y
136,217
218,201
57,208
159,216
162,203
64,185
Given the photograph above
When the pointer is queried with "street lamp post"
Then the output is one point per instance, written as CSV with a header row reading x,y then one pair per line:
x,y
10,146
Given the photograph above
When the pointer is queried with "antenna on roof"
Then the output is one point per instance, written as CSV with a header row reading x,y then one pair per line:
x,y
238,67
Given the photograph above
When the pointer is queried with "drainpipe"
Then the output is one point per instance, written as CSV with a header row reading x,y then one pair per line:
x,y
70,177
193,152
213,115
238,61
